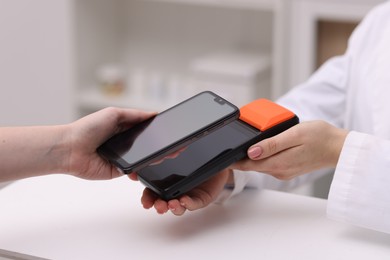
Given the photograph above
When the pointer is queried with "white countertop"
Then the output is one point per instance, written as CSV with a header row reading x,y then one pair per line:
x,y
62,217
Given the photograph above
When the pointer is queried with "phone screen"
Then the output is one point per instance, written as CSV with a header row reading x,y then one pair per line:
x,y
169,128
171,171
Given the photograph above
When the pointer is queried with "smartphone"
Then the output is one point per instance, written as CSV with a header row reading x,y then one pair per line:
x,y
168,131
211,154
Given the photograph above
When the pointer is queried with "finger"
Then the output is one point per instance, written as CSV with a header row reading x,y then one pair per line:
x,y
133,176
176,208
283,166
195,201
161,206
148,198
130,117
136,116
274,145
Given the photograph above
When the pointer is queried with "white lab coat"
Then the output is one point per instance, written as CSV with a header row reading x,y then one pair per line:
x,y
353,92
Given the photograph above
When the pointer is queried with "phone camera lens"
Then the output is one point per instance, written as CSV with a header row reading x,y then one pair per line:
x,y
219,100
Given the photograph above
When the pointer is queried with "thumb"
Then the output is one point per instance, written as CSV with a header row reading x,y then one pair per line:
x,y
272,146
262,149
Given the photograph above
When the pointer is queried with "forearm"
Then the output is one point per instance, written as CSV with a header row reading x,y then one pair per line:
x,y
31,151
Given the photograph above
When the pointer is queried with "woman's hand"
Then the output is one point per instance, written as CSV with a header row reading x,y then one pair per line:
x,y
301,149
85,135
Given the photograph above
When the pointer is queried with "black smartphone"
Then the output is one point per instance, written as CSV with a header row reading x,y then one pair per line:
x,y
206,157
168,131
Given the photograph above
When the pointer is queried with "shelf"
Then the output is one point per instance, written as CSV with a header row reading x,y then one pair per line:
x,y
267,5
163,38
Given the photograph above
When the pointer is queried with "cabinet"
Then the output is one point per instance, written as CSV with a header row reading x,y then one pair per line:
x,y
304,20
169,49
157,43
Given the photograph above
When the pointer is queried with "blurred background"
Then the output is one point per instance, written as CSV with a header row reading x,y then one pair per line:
x,y
62,59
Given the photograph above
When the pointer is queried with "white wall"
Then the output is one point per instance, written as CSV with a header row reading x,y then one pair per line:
x,y
35,62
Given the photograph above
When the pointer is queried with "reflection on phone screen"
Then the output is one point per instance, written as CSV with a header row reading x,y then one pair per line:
x,y
171,171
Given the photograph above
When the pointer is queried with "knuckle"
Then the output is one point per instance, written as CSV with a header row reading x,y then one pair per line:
x,y
272,146
282,171
296,132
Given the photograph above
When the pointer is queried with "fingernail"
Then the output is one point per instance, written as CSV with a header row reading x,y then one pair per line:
x,y
254,152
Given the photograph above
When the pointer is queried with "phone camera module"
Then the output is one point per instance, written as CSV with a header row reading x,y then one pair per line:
x,y
219,100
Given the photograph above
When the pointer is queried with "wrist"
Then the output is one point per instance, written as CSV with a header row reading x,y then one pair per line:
x,y
336,145
60,151
32,151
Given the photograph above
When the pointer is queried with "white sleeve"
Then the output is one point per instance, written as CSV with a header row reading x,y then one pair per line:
x,y
251,179
360,191
307,100
324,96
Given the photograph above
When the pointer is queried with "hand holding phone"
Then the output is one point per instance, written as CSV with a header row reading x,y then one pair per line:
x,y
169,131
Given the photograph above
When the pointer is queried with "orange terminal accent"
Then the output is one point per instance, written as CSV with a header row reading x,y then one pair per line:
x,y
264,114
